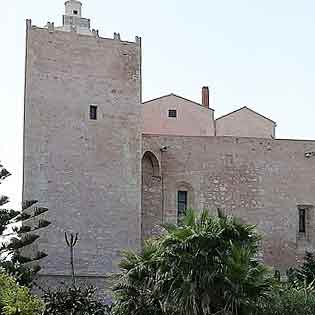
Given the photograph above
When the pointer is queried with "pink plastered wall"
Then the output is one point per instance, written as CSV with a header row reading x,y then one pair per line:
x,y
192,118
245,123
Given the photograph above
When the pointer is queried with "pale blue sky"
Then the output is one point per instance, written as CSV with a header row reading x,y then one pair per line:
x,y
249,52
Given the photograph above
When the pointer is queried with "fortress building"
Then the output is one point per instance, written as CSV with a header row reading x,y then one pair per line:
x,y
111,168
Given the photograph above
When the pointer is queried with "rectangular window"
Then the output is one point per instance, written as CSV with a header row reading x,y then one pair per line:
x,y
181,203
93,112
172,113
75,12
302,220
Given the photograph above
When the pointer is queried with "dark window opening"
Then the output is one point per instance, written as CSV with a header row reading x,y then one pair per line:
x,y
75,12
93,112
172,113
181,203
302,220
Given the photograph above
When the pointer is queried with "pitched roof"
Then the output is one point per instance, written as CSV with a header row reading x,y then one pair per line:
x,y
245,107
183,98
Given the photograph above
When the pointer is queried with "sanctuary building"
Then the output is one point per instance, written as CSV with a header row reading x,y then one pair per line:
x,y
112,168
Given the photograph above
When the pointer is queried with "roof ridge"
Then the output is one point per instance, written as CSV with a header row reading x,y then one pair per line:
x,y
176,95
230,113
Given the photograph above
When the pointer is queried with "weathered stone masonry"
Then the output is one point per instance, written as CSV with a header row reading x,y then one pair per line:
x,y
88,173
260,180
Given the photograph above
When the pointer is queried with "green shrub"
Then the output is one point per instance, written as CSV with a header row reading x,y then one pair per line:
x,y
17,300
70,301
305,273
290,301
206,265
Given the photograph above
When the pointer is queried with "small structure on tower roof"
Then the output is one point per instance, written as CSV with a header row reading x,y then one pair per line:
x,y
72,20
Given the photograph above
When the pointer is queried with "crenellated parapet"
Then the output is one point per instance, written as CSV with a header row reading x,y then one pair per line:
x,y
28,24
73,22
51,27
95,33
117,36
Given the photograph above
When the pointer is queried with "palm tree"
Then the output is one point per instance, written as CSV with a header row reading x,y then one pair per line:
x,y
134,288
205,265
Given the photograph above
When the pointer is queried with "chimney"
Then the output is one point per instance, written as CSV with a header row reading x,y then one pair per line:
x,y
205,96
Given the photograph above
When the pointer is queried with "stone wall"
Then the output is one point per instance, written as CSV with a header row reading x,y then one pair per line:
x,y
151,195
87,172
260,180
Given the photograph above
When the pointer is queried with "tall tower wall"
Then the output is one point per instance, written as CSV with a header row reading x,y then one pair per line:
x,y
87,172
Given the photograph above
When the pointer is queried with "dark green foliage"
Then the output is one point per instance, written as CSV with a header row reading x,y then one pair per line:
x,y
73,301
19,235
305,274
297,295
5,217
206,265
18,243
290,300
277,275
307,270
3,175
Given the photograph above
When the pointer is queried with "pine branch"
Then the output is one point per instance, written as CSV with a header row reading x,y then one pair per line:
x,y
24,216
3,173
22,229
27,229
25,260
16,244
22,224
38,211
5,218
3,200
28,203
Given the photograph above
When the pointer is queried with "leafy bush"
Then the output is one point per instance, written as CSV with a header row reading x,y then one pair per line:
x,y
290,301
72,301
205,265
297,296
305,273
17,300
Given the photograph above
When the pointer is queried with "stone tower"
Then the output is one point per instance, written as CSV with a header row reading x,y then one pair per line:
x,y
82,142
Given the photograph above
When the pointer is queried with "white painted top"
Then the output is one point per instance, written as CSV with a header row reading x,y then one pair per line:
x,y
74,8
73,20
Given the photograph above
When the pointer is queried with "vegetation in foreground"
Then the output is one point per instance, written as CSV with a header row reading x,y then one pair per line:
x,y
17,232
206,265
73,300
17,300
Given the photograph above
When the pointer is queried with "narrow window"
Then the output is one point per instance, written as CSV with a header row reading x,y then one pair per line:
x,y
172,113
302,220
181,203
93,112
75,12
